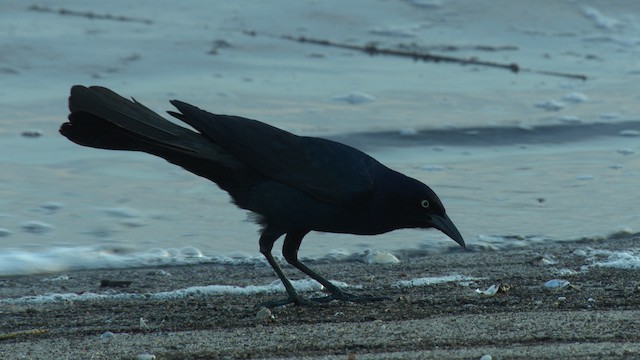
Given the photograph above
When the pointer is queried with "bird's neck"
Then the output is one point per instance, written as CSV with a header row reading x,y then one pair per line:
x,y
388,201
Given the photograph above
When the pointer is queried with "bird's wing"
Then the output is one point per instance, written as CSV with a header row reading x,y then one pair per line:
x,y
326,170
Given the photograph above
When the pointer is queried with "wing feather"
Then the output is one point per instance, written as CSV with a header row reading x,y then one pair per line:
x,y
324,169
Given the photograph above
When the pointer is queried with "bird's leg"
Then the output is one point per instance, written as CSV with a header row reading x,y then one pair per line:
x,y
266,244
290,252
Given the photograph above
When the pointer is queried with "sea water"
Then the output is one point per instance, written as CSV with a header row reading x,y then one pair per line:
x,y
518,159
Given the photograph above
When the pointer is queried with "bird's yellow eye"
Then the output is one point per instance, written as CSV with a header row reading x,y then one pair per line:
x,y
424,203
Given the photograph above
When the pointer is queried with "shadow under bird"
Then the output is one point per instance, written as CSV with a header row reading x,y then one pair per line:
x,y
294,184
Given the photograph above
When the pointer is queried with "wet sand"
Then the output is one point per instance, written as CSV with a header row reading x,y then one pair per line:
x,y
596,316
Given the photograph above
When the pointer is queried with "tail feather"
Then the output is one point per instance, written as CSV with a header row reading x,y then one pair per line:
x,y
133,118
100,118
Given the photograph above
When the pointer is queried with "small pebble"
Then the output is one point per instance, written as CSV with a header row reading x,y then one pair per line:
x,y
143,324
543,261
381,258
4,232
579,252
556,283
264,314
107,335
486,357
145,357
562,298
491,291
163,273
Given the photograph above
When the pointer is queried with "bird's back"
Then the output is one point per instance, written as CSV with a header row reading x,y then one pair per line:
x,y
326,170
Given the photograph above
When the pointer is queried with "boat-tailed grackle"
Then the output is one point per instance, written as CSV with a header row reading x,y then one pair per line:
x,y
294,184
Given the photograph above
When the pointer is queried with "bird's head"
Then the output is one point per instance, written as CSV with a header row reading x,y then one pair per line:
x,y
436,217
423,209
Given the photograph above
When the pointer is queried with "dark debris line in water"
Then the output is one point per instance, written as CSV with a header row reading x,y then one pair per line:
x,y
88,14
484,136
373,49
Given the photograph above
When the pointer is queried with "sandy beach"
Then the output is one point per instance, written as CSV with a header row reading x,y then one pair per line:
x,y
595,316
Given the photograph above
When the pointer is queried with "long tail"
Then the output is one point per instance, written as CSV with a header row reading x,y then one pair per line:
x,y
100,118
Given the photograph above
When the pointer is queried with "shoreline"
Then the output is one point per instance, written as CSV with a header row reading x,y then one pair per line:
x,y
595,316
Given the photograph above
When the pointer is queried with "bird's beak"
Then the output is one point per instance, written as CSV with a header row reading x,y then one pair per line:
x,y
444,224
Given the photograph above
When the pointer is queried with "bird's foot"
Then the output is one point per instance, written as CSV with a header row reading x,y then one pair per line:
x,y
345,296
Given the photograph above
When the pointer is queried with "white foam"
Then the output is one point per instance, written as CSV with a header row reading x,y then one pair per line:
x,y
575,97
426,281
550,105
306,285
570,119
617,259
629,132
20,262
599,19
500,242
